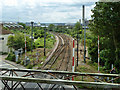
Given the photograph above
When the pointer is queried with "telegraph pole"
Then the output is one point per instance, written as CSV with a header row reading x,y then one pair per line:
x,y
32,36
44,40
25,48
84,34
78,42
77,47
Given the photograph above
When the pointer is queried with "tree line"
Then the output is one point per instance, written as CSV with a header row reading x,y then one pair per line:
x,y
106,23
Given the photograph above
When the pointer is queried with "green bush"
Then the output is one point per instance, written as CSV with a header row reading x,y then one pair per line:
x,y
29,66
18,61
22,62
3,53
18,41
39,43
11,57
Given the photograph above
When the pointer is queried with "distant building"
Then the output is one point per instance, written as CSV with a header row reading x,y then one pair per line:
x,y
3,39
11,25
34,24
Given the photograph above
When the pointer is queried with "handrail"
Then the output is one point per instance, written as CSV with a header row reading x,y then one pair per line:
x,y
60,72
61,82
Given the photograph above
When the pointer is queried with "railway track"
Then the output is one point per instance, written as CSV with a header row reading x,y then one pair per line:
x,y
61,58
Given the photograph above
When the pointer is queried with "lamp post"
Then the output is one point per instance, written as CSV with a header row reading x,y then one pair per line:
x,y
32,36
84,33
44,40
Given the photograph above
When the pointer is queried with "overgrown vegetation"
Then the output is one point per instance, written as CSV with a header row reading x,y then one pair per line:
x,y
11,57
17,41
105,23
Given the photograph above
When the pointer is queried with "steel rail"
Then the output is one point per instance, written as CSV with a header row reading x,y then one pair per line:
x,y
54,57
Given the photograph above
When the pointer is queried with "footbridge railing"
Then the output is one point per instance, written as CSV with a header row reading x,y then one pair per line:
x,y
17,76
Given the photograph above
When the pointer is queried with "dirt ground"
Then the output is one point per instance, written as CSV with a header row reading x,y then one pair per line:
x,y
83,67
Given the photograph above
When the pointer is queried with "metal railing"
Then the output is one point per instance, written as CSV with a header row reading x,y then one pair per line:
x,y
59,77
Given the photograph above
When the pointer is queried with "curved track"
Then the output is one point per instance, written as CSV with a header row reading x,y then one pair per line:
x,y
61,58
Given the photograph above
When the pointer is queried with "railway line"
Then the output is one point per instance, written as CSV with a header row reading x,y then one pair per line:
x,y
61,58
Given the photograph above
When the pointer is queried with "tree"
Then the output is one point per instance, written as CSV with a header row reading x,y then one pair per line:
x,y
24,26
17,41
106,24
76,29
51,27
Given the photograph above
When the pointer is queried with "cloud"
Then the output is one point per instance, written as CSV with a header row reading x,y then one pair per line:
x,y
45,10
10,2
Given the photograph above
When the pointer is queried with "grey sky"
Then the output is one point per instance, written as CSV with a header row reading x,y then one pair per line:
x,y
45,10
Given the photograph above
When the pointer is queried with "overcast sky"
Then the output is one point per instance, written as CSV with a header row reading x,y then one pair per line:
x,y
45,10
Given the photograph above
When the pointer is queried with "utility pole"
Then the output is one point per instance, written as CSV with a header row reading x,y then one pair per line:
x,y
32,36
44,40
25,47
84,34
77,47
78,42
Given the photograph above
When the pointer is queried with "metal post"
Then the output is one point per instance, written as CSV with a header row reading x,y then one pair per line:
x,y
83,15
98,58
44,40
84,34
112,73
25,47
16,54
32,36
73,62
98,55
77,48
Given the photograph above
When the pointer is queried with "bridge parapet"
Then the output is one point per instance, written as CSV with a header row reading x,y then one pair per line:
x,y
55,77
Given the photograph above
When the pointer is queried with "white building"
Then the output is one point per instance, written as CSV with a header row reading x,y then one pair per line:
x,y
3,39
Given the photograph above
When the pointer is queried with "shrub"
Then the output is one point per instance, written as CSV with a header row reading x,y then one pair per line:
x,y
3,53
11,57
39,43
22,63
29,66
18,61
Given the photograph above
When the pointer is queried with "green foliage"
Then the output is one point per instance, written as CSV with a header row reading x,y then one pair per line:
x,y
28,43
29,66
61,29
5,28
76,30
51,27
92,48
105,23
3,53
50,42
22,62
18,41
39,33
11,57
24,26
39,43
18,61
